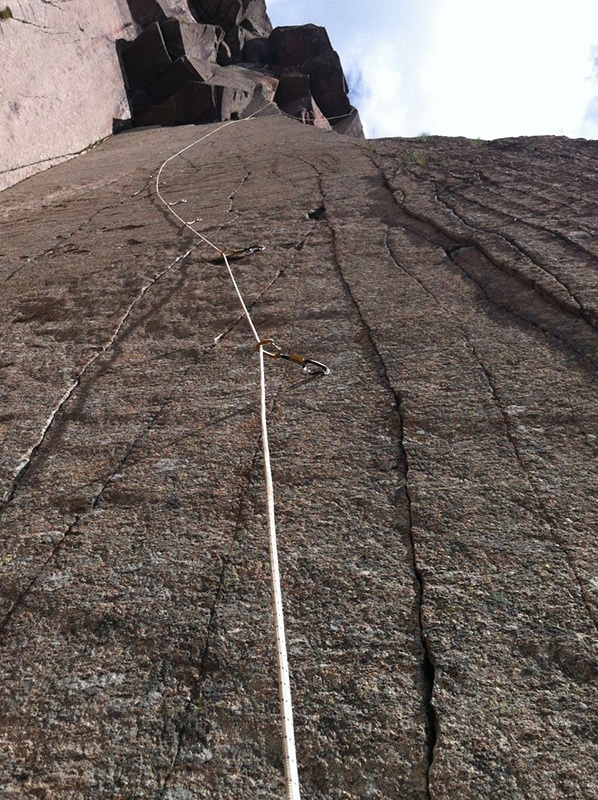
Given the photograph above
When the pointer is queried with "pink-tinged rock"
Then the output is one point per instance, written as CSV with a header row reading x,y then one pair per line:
x,y
350,125
192,39
293,45
62,84
436,493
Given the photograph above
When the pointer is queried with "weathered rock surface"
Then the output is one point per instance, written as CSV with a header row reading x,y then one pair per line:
x,y
61,82
63,88
435,494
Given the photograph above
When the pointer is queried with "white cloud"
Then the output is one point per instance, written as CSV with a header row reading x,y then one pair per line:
x,y
508,69
463,67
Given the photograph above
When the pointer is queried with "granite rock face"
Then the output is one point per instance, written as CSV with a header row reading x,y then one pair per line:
x,y
63,87
435,493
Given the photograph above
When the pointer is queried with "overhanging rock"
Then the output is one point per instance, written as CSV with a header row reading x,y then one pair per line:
x,y
158,65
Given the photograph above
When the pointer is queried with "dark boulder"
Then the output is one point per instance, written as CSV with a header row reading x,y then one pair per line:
x,y
221,92
144,12
293,45
294,97
192,104
251,14
146,58
171,53
256,51
307,48
328,84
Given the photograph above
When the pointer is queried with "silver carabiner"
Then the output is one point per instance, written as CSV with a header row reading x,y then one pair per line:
x,y
311,367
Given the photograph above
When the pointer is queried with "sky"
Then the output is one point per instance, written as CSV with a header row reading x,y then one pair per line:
x,y
477,68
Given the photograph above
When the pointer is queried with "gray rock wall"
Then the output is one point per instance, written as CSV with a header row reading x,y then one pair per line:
x,y
436,493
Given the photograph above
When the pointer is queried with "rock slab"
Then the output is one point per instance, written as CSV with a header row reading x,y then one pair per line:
x,y
435,493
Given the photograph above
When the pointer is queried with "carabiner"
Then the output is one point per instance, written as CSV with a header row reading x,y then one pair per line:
x,y
309,366
269,343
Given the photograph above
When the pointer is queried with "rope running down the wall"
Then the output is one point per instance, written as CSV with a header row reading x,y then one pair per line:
x,y
284,685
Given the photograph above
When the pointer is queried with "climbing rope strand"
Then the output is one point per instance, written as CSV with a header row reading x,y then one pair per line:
x,y
284,684
241,300
168,160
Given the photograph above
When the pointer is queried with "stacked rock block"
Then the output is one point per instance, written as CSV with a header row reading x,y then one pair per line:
x,y
312,84
228,64
174,78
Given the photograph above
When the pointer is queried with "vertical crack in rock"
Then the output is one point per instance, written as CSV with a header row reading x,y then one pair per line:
x,y
427,665
195,691
29,456
507,424
541,508
232,196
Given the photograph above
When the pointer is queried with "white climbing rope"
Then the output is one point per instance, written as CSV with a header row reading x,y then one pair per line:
x,y
284,684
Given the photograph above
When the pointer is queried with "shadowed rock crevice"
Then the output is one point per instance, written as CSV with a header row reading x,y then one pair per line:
x,y
494,388
511,291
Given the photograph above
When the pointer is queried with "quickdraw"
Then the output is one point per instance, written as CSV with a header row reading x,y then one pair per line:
x,y
236,253
308,365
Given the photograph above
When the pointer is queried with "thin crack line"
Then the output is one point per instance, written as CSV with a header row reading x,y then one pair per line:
x,y
542,511
526,221
195,693
196,690
95,501
28,457
524,252
57,248
472,240
427,666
